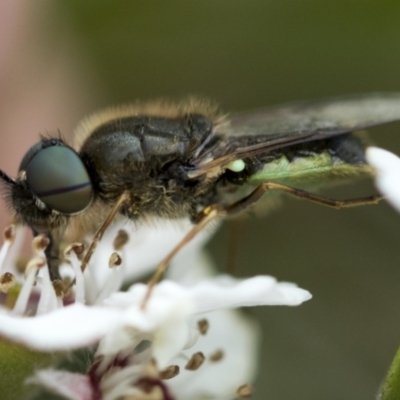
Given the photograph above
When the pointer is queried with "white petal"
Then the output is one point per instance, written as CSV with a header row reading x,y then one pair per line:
x,y
48,299
66,384
23,297
190,265
119,384
67,328
164,318
169,340
170,305
228,292
387,166
237,337
193,269
147,246
117,340
208,295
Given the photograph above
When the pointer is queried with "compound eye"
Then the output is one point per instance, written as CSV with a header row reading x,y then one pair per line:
x,y
58,177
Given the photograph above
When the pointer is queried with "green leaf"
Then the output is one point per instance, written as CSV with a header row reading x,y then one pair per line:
x,y
17,363
391,386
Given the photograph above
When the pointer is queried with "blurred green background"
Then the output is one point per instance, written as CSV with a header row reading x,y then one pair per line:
x,y
248,54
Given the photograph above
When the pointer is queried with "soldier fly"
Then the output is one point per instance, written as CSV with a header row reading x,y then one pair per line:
x,y
187,160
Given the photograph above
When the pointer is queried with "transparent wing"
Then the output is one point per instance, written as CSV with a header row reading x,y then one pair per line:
x,y
324,117
261,131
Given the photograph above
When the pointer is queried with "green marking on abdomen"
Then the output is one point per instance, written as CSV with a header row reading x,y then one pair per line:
x,y
315,169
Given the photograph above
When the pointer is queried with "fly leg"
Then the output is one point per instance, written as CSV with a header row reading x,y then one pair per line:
x,y
99,234
302,194
209,214
212,212
52,253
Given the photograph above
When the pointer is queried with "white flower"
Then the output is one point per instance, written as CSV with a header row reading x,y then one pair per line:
x,y
139,347
387,167
168,325
148,245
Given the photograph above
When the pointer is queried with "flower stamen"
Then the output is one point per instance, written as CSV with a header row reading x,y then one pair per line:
x,y
218,355
72,252
169,372
30,276
244,392
7,281
120,240
115,280
39,244
155,388
9,237
48,299
195,362
203,326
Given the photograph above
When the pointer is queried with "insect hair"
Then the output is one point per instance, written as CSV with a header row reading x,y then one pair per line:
x,y
156,108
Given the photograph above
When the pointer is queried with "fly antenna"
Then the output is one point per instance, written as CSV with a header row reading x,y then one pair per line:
x,y
6,178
